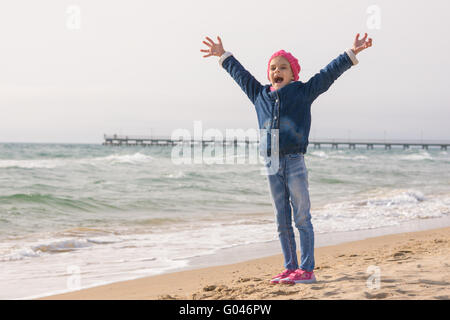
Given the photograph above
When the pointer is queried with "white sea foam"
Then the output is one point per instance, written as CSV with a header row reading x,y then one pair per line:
x,y
61,246
176,175
349,157
52,244
136,158
19,254
32,164
406,197
417,156
339,154
320,154
123,158
379,211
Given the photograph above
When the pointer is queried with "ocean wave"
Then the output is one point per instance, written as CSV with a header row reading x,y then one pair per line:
x,y
407,197
159,221
320,154
389,199
121,158
417,157
333,181
52,202
175,175
61,246
358,158
83,231
339,154
390,208
33,163
55,246
52,163
396,155
19,254
28,197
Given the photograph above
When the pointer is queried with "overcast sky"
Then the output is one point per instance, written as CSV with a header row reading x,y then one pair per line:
x,y
71,71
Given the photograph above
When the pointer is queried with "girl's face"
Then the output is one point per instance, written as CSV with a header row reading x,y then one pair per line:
x,y
280,73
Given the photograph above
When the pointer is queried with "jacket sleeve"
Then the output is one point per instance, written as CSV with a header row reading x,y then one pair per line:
x,y
321,81
244,79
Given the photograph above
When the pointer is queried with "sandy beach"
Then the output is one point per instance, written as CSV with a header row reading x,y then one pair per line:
x,y
412,265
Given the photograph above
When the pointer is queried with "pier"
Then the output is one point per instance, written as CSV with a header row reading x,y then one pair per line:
x,y
128,140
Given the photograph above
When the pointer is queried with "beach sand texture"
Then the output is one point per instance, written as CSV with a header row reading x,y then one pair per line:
x,y
413,265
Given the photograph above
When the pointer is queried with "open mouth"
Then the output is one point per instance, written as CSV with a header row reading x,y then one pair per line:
x,y
278,79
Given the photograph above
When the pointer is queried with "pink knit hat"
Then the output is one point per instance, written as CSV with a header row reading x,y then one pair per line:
x,y
295,67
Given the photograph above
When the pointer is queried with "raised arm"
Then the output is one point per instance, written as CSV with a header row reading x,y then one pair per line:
x,y
321,81
244,79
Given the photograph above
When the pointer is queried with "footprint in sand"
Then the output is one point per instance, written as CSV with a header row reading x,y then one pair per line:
x,y
438,283
401,291
210,288
400,255
388,280
380,295
283,293
168,297
344,278
331,293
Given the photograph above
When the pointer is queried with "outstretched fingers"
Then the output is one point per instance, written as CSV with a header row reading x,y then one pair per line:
x,y
209,39
214,49
209,53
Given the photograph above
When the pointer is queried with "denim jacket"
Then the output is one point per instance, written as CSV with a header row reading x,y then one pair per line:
x,y
286,113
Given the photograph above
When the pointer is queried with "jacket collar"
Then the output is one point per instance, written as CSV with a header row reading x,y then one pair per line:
x,y
273,94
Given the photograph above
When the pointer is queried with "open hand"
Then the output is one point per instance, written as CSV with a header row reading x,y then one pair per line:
x,y
361,44
215,49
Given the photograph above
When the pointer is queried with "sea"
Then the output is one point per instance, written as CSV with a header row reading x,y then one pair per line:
x,y
74,216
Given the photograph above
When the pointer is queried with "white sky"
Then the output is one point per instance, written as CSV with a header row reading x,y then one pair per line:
x,y
135,66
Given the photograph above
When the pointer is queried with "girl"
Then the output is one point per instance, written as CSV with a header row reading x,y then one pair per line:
x,y
284,110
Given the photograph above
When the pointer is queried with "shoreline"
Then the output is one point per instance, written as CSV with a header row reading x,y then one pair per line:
x,y
271,248
191,282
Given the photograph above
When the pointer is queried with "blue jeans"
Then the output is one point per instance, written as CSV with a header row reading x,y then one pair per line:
x,y
289,187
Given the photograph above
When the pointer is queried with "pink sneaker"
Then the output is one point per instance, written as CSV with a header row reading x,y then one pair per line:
x,y
286,273
299,276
